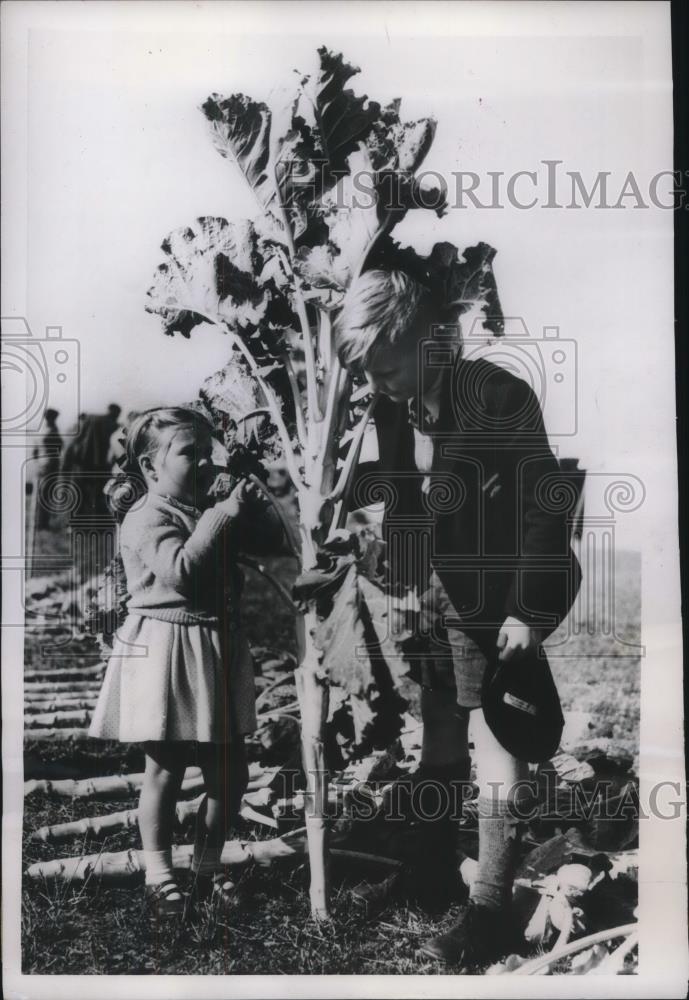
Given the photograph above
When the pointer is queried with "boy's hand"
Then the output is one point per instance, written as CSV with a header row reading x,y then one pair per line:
x,y
515,637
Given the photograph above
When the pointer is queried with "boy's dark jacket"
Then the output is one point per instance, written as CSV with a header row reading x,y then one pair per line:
x,y
495,525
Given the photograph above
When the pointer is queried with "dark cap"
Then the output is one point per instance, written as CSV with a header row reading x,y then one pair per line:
x,y
522,707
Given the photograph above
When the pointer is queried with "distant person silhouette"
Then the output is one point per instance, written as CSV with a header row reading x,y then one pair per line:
x,y
47,453
116,448
86,460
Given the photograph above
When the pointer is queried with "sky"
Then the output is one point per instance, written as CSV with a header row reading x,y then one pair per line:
x,y
118,155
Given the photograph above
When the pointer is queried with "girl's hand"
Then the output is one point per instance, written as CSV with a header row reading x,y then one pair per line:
x,y
238,499
515,637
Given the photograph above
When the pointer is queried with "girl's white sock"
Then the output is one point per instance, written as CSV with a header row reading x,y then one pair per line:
x,y
158,866
206,860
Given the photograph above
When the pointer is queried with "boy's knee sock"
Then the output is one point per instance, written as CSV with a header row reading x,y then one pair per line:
x,y
497,854
158,866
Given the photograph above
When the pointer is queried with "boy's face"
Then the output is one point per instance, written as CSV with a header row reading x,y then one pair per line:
x,y
394,369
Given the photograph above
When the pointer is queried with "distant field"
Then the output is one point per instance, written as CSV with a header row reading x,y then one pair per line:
x,y
600,673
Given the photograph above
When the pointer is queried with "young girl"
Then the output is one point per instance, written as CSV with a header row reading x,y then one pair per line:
x,y
180,677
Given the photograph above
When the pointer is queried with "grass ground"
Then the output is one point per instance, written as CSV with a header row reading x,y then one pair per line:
x,y
99,929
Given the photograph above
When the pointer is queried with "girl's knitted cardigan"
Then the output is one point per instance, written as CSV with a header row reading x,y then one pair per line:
x,y
176,561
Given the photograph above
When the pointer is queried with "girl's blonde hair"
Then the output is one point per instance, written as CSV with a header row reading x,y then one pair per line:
x,y
143,437
381,308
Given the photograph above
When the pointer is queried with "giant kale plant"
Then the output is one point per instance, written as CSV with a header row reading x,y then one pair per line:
x,y
332,174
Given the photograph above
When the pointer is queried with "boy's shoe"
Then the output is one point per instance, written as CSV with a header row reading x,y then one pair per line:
x,y
159,902
480,937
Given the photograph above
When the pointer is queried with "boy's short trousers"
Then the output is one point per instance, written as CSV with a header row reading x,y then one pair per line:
x,y
464,671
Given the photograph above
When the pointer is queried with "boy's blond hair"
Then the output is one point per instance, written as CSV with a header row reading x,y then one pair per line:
x,y
381,308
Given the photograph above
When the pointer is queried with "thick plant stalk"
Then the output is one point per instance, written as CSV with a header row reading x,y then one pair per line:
x,y
59,687
104,826
110,786
97,826
613,964
336,378
50,704
59,697
59,718
46,695
544,961
343,487
248,813
312,693
325,339
287,678
65,673
123,786
315,415
274,407
276,666
125,864
311,683
120,865
261,777
267,713
296,398
270,398
297,803
56,735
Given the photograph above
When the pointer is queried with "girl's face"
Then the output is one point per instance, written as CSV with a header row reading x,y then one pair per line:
x,y
182,466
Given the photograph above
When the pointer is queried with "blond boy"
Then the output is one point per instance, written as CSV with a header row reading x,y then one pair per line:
x,y
501,552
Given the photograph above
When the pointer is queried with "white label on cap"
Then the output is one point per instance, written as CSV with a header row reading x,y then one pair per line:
x,y
515,702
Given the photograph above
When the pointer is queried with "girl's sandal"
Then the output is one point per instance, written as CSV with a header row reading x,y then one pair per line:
x,y
159,902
